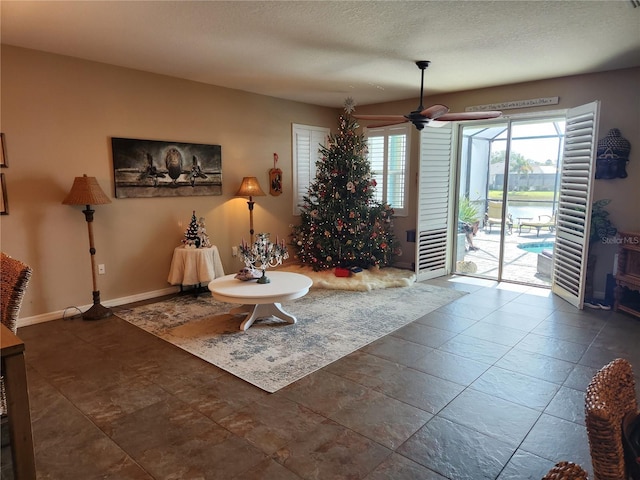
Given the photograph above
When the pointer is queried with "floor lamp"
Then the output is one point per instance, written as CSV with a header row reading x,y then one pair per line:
x,y
250,188
87,191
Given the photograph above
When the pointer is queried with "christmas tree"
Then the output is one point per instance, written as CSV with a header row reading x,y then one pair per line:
x,y
341,223
191,238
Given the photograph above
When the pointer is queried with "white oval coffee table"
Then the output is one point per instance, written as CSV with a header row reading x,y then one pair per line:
x,y
261,300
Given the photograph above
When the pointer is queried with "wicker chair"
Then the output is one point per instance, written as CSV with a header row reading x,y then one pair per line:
x,y
609,397
14,276
566,471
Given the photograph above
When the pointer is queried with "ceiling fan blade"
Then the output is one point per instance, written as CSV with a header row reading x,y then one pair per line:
x,y
433,116
436,124
454,117
388,124
382,118
434,111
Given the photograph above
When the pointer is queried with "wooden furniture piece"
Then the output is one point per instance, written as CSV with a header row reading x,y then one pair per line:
x,y
15,381
566,471
628,274
261,300
609,397
194,266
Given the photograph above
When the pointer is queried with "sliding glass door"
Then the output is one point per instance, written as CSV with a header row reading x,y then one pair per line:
x,y
508,186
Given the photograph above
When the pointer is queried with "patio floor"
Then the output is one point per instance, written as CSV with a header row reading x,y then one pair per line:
x,y
519,265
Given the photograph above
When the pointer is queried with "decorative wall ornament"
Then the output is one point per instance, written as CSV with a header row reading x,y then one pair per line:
x,y
150,168
612,156
532,102
275,178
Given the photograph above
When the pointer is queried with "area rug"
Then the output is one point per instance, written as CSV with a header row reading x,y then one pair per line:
x,y
272,354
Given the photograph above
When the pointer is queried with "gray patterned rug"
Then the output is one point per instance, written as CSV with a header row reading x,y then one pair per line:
x,y
272,354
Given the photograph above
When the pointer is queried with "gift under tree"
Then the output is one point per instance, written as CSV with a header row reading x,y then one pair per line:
x,y
341,223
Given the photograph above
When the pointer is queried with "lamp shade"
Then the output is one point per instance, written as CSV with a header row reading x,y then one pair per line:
x,y
86,191
250,188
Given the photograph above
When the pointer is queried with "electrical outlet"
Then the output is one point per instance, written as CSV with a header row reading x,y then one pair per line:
x,y
234,251
101,270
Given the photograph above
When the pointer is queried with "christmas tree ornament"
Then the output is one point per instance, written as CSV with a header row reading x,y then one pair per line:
x,y
349,105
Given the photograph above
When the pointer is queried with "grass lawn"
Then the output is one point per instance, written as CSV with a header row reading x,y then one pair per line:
x,y
539,196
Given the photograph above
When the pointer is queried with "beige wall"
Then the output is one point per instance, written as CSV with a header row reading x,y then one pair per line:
x,y
59,113
619,95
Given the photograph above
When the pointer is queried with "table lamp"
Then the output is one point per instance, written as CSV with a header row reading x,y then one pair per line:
x,y
86,191
250,188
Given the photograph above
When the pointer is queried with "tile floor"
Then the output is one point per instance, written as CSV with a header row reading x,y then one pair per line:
x,y
488,387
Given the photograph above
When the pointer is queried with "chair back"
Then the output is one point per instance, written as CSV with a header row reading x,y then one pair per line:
x,y
14,277
494,209
609,397
548,219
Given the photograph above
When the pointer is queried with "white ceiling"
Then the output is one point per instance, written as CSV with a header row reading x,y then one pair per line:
x,y
322,52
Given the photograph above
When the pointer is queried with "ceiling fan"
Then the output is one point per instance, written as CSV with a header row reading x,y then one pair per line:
x,y
430,115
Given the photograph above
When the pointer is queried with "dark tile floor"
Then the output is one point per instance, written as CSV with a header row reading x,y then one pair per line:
x,y
490,386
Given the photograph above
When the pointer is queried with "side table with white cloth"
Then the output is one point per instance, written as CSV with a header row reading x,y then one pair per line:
x,y
261,300
195,266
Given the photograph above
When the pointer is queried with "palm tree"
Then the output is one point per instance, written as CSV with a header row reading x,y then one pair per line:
x,y
518,164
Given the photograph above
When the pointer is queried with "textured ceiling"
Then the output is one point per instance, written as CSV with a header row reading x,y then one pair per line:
x,y
322,52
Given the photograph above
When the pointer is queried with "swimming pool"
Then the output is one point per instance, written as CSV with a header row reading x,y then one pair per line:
x,y
536,247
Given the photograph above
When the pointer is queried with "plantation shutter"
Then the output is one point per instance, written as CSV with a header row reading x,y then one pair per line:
x,y
388,157
376,147
574,205
434,199
397,169
306,152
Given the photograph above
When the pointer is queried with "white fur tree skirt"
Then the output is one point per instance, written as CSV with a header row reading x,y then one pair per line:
x,y
371,279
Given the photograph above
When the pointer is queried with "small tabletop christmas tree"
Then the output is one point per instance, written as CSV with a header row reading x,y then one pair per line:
x,y
191,237
341,223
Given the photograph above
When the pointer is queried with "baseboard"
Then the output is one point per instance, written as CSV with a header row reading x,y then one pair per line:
x,y
47,317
